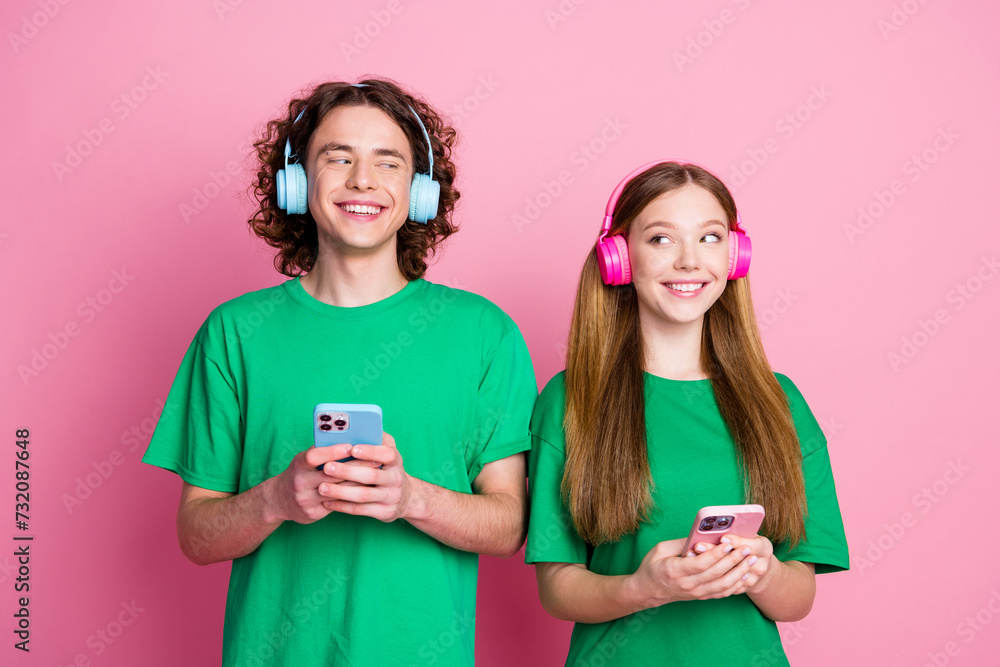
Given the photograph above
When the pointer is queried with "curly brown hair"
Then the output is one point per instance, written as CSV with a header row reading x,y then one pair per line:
x,y
295,236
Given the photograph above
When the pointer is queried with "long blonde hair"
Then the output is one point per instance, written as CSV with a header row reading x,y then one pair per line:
x,y
607,482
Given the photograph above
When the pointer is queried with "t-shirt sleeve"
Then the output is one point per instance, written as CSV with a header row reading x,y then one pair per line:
x,y
551,535
198,433
507,393
825,543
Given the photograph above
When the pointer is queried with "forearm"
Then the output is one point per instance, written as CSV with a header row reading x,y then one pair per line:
x,y
787,591
486,523
571,592
217,529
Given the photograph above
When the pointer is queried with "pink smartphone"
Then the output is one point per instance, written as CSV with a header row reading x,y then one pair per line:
x,y
713,522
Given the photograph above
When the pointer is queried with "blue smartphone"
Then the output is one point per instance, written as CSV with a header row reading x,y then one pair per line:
x,y
347,423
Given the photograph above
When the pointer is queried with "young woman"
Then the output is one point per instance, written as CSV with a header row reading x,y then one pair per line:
x,y
668,405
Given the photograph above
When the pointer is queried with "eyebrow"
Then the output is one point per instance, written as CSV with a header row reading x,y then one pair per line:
x,y
670,225
381,152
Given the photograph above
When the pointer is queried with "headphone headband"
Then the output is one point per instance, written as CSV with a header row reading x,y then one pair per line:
x,y
609,210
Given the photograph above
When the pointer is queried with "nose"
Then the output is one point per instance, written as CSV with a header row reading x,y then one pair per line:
x,y
361,177
687,256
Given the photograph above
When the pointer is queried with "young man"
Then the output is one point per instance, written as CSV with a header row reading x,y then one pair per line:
x,y
370,561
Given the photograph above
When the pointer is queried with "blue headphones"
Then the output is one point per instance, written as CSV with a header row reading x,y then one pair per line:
x,y
424,190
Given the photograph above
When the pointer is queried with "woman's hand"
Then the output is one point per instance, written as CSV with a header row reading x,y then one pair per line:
x,y
760,559
783,591
716,572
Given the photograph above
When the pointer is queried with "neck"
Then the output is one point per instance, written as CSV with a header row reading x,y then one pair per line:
x,y
672,351
350,281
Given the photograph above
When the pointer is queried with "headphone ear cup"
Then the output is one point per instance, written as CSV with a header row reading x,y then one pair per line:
x,y
612,260
424,195
298,189
739,254
292,189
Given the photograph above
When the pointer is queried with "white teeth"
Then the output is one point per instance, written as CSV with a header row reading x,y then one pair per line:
x,y
685,287
361,209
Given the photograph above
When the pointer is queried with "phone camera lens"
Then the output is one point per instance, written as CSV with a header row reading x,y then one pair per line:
x,y
325,418
724,522
325,427
340,422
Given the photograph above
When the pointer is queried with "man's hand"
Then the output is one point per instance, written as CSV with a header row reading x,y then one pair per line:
x,y
294,494
375,484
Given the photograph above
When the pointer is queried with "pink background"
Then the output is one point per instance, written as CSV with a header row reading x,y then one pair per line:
x,y
808,111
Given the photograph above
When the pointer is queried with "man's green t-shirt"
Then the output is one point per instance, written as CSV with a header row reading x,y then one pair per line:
x,y
694,464
454,380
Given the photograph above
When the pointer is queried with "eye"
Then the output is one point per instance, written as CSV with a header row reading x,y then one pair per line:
x,y
333,158
661,239
712,237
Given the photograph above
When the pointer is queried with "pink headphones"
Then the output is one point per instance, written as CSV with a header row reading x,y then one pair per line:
x,y
612,251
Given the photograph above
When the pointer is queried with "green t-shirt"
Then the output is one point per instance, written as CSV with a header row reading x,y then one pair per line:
x,y
694,464
454,380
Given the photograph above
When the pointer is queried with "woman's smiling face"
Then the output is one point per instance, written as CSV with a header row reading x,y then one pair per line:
x,y
679,252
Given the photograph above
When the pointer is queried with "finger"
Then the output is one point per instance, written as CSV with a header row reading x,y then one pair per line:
x,y
695,563
354,493
740,573
361,474
737,580
358,509
759,544
315,457
381,455
669,548
357,463
348,461
721,559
